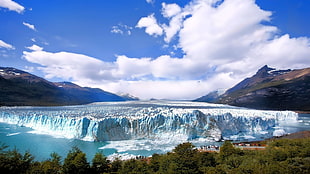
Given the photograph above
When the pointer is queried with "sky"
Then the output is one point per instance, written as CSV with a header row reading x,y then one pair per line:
x,y
161,49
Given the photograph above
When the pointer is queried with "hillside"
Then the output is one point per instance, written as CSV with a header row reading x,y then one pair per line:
x,y
271,89
211,97
22,88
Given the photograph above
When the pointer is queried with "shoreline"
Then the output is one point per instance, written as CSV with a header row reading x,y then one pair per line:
x,y
296,135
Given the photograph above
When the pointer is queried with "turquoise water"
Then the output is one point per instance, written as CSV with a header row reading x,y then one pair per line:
x,y
41,146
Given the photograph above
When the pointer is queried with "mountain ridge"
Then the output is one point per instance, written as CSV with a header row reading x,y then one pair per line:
x,y
271,89
19,88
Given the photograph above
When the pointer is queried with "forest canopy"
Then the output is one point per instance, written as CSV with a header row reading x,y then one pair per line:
x,y
280,156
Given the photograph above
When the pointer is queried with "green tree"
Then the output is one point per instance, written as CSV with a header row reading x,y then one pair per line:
x,y
165,162
75,162
100,164
298,165
206,159
226,150
14,162
155,163
53,165
185,149
184,159
116,165
36,168
134,166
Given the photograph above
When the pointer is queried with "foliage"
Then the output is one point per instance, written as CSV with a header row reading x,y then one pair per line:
x,y
281,156
100,164
14,162
134,166
75,162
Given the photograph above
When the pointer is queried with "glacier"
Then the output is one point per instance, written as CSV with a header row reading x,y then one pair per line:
x,y
136,120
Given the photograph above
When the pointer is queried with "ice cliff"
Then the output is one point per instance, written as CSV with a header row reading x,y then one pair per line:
x,y
139,120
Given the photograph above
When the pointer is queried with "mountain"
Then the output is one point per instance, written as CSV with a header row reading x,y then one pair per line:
x,y
271,89
18,88
128,97
210,97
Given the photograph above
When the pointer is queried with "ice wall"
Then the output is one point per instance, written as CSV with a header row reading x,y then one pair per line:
x,y
108,122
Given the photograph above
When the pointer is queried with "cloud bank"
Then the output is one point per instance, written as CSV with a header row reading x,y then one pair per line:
x,y
219,51
11,5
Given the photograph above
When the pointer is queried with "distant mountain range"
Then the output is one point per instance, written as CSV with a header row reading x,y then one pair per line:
x,y
18,88
268,89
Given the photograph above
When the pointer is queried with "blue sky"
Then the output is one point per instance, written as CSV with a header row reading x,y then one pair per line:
x,y
178,49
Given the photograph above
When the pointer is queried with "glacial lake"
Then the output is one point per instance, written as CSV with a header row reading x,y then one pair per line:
x,y
41,144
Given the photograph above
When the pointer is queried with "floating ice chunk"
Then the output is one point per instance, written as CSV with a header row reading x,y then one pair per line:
x,y
121,156
279,132
12,134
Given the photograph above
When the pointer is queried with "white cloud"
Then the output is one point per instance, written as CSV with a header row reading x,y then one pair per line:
x,y
132,68
30,26
174,27
116,30
217,36
176,16
29,69
219,50
150,25
170,10
160,89
35,48
68,65
121,29
284,52
132,72
172,89
150,1
11,5
6,45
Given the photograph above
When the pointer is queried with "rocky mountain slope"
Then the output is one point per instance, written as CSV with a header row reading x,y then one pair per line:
x,y
271,89
22,88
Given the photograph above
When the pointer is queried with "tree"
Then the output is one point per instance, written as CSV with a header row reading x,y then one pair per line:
x,y
116,165
100,163
298,165
14,162
134,166
184,159
53,165
206,159
185,149
226,150
75,162
155,163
